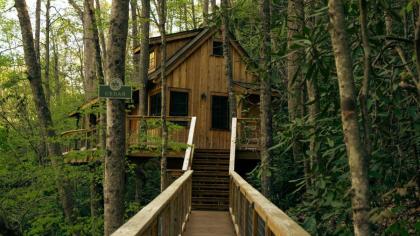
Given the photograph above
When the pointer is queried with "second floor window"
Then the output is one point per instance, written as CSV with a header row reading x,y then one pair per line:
x,y
155,104
178,103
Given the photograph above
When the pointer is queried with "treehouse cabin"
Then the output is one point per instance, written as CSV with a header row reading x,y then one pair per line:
x,y
201,130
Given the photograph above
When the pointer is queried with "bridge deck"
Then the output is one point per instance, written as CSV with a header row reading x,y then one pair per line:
x,y
209,223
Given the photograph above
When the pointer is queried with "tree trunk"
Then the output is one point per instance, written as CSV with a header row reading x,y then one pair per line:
x,y
349,117
295,25
205,12
101,31
213,6
43,112
364,91
37,27
89,52
144,56
265,98
57,86
194,19
227,55
163,162
417,48
115,153
313,99
135,40
47,53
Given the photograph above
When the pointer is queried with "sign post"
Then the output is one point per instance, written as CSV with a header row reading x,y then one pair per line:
x,y
115,90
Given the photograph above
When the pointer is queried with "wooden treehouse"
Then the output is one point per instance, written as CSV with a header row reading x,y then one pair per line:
x,y
208,151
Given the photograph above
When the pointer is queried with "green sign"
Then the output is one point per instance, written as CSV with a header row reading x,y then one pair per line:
x,y
122,92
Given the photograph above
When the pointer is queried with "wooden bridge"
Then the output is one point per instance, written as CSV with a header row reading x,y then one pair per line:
x,y
210,198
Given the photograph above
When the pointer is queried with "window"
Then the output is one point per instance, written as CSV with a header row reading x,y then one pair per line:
x,y
178,104
219,112
155,104
152,60
217,48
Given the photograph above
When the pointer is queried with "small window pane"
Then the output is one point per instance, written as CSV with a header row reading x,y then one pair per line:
x,y
155,104
178,104
217,48
220,112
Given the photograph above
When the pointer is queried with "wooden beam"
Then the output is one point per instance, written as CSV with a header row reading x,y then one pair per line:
x,y
232,145
188,153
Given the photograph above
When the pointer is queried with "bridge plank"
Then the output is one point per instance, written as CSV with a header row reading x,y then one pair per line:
x,y
209,223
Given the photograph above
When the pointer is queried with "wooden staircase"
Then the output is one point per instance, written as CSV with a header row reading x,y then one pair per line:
x,y
210,181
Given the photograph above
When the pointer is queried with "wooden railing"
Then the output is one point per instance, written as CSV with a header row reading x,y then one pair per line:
x,y
252,213
80,139
189,153
167,214
145,132
248,133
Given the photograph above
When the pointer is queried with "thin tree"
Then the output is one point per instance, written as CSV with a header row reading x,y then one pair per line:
x,y
205,12
161,9
265,97
227,55
364,90
295,25
144,55
37,26
47,52
43,112
349,117
115,153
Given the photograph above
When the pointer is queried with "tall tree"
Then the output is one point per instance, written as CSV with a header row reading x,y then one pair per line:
x,y
101,31
43,112
417,47
194,18
364,90
161,8
205,12
37,26
47,52
135,38
115,153
90,81
227,55
265,97
349,117
295,85
144,55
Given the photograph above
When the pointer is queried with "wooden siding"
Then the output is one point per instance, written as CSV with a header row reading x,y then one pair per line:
x,y
202,75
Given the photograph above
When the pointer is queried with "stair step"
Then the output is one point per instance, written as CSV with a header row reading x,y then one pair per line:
x,y
210,173
209,167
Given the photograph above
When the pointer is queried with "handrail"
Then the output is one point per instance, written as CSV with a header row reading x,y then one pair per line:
x,y
250,211
189,152
168,212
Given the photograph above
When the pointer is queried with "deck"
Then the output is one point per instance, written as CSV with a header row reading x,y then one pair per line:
x,y
209,223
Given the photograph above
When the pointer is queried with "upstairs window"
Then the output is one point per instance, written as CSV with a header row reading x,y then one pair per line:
x,y
178,103
217,48
155,104
152,60
219,112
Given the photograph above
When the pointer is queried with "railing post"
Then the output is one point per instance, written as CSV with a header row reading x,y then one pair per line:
x,y
232,145
188,152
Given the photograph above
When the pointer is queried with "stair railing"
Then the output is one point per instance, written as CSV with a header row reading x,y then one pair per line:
x,y
251,212
189,153
167,214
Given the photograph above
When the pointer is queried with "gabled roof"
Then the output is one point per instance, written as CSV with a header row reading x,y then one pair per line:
x,y
182,54
171,37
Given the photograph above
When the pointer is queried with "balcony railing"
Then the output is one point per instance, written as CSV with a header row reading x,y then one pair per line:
x,y
79,140
144,133
248,134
